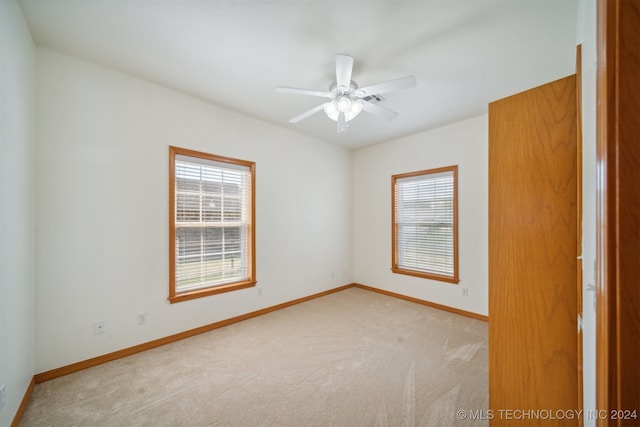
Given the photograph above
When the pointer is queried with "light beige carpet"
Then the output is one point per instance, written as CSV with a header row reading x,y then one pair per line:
x,y
352,358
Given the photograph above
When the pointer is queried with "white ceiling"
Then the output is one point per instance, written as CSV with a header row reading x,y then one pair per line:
x,y
234,53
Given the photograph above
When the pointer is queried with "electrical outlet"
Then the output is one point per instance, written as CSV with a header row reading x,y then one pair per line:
x,y
99,327
465,292
142,318
3,395
259,290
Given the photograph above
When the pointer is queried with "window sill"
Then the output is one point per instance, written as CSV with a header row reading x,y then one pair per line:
x,y
448,279
200,293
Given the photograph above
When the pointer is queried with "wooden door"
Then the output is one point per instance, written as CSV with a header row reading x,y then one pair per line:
x,y
533,357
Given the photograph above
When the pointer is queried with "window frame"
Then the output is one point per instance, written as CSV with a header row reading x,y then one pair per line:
x,y
454,278
175,296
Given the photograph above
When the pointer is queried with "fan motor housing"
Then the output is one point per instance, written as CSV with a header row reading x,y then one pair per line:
x,y
336,92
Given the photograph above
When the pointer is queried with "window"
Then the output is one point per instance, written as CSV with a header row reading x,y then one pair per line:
x,y
425,224
211,225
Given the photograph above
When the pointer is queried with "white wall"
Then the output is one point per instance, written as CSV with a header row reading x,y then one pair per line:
x,y
102,195
17,220
587,37
464,144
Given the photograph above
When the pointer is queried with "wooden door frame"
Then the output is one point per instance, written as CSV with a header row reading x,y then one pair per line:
x,y
618,209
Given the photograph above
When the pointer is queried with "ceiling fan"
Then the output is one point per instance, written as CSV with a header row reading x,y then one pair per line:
x,y
346,99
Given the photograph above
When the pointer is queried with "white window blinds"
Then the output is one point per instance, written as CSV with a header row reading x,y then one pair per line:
x,y
424,220
211,223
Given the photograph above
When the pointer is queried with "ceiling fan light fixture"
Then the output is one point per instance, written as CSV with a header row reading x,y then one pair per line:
x,y
343,104
347,100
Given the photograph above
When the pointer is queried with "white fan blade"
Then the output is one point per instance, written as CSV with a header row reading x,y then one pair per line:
x,y
344,67
302,91
306,114
379,111
389,86
342,123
